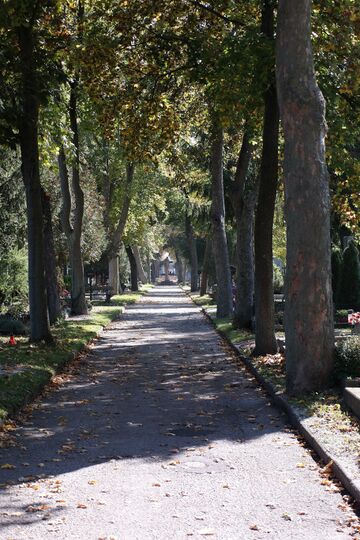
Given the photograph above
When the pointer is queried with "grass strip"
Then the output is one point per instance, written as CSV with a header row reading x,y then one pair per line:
x,y
26,368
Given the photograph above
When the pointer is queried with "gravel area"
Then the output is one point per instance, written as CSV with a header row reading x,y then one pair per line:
x,y
158,435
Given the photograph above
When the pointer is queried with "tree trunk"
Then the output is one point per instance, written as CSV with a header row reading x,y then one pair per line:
x,y
205,268
114,281
179,268
78,300
148,265
117,233
156,270
309,326
220,247
243,200
51,276
193,254
28,134
140,270
265,341
133,268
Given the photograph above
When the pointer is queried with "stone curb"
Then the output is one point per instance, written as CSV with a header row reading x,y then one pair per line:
x,y
353,487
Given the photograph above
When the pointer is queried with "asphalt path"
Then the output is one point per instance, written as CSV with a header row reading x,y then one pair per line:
x,y
158,433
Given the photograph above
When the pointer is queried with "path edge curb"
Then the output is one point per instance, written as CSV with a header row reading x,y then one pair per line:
x,y
277,398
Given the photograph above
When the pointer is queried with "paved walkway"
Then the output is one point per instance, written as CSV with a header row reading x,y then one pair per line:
x,y
157,434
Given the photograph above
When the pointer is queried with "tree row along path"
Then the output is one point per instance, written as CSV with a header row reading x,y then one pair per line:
x,y
159,434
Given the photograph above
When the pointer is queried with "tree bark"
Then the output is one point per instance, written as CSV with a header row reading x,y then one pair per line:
x,y
309,326
28,134
220,247
73,236
117,233
133,268
205,268
193,254
179,268
243,198
140,270
51,276
114,281
265,341
78,300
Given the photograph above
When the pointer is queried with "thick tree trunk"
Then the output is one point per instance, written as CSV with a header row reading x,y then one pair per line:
x,y
140,270
28,133
78,299
309,326
114,281
243,201
265,341
220,247
205,268
133,268
179,268
51,276
193,254
156,270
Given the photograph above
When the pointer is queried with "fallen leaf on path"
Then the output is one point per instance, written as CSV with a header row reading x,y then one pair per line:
x,y
92,482
8,466
300,465
81,505
37,508
328,468
286,516
254,527
207,532
325,482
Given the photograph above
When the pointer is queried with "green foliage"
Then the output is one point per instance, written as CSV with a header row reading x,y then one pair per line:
x,y
336,270
12,202
278,279
14,279
341,316
349,293
347,358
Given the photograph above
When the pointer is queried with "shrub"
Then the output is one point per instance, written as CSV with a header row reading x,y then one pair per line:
x,y
349,294
336,270
14,279
347,358
341,316
278,279
11,326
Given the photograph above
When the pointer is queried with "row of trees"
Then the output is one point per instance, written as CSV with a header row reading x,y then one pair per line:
x,y
141,104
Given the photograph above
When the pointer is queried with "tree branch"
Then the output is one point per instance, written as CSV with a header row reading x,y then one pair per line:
x,y
213,11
